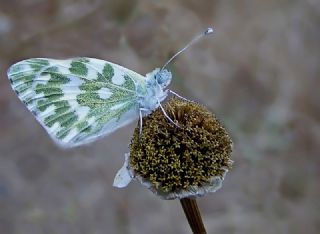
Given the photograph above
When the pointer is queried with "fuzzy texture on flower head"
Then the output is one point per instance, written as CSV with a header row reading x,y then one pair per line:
x,y
176,159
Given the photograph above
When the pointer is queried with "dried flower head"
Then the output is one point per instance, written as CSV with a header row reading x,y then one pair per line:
x,y
180,162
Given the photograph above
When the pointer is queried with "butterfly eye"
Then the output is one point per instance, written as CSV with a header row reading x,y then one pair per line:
x,y
163,78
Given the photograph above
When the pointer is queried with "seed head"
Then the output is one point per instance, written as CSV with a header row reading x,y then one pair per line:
x,y
176,162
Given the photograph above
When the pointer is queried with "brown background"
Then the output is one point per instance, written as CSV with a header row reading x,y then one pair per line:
x,y
259,74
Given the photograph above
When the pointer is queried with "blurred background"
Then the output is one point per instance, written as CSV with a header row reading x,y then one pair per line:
x,y
259,73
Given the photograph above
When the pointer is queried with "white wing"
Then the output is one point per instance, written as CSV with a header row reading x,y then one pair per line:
x,y
76,100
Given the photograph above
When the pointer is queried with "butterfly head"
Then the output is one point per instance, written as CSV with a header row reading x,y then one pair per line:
x,y
163,78
159,78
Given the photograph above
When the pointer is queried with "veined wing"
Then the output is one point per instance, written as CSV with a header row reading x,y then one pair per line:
x,y
76,100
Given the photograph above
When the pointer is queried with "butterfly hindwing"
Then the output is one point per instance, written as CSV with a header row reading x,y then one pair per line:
x,y
76,100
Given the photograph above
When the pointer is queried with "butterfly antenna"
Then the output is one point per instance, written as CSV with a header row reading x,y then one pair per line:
x,y
195,39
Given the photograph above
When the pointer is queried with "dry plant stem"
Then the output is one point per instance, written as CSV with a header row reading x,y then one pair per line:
x,y
193,215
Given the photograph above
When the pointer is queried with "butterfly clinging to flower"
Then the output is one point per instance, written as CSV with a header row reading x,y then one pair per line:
x,y
81,99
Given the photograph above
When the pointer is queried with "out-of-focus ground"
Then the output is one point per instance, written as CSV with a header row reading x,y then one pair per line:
x,y
259,74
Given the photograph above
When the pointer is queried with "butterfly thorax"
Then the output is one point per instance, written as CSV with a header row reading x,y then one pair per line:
x,y
152,92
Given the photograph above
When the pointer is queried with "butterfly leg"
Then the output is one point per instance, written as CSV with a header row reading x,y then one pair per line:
x,y
177,95
140,121
141,118
167,116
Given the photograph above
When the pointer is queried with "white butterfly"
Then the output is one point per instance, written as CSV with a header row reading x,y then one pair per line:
x,y
81,99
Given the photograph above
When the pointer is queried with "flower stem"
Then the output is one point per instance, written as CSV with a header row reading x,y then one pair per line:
x,y
193,215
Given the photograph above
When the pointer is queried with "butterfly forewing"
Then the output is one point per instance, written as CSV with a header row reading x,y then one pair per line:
x,y
76,100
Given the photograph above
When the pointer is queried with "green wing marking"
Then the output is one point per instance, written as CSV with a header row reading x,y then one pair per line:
x,y
76,100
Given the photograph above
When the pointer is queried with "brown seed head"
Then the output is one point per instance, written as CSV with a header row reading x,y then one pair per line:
x,y
175,159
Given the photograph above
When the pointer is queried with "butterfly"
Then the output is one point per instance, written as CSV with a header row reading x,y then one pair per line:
x,y
79,100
